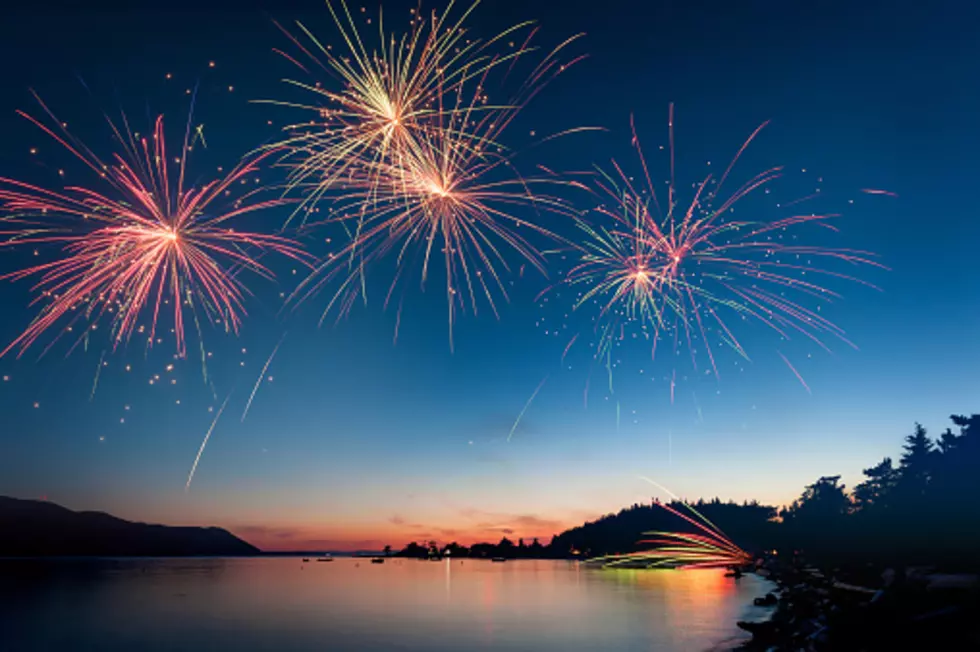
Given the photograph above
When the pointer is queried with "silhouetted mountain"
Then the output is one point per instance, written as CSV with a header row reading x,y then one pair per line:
x,y
37,528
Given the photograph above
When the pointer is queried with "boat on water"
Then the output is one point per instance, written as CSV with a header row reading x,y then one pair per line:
x,y
498,560
326,557
378,560
306,559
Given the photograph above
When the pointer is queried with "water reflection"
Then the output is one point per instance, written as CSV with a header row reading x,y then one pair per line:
x,y
689,602
281,604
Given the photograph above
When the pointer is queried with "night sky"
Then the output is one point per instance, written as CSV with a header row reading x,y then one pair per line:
x,y
354,440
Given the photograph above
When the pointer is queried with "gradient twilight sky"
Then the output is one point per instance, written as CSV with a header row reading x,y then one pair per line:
x,y
358,442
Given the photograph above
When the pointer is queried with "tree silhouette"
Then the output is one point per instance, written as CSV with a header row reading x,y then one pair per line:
x,y
916,465
824,499
947,442
954,492
873,493
414,550
535,550
817,516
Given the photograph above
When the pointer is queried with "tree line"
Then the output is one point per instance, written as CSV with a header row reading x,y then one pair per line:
x,y
924,509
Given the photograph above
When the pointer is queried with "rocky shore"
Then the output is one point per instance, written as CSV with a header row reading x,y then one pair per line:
x,y
864,609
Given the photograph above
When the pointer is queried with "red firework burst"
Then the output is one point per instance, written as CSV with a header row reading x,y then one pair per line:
x,y
152,242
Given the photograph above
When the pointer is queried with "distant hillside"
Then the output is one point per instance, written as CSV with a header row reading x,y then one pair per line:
x,y
37,528
749,524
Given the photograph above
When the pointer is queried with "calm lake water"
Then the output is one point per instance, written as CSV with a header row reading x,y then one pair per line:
x,y
350,605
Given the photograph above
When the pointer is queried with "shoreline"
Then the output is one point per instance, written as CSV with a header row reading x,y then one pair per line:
x,y
863,608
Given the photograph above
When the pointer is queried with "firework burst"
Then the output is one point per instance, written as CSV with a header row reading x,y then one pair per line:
x,y
154,241
677,270
379,102
411,158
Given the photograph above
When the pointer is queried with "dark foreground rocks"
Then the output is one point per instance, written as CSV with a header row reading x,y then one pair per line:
x,y
847,610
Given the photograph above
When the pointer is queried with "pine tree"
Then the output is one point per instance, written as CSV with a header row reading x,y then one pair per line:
x,y
874,492
915,469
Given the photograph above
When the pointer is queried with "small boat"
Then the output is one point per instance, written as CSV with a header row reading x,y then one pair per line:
x,y
498,560
326,557
378,560
306,559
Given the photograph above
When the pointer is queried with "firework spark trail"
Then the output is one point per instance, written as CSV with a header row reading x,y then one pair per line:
x,y
568,346
526,406
98,372
204,443
674,270
677,499
795,372
258,381
153,241
708,548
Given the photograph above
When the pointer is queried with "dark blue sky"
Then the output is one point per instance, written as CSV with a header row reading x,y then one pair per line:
x,y
358,440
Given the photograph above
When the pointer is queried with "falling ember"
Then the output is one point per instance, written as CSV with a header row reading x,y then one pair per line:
x,y
204,443
98,372
526,406
258,381
795,372
873,191
149,243
568,346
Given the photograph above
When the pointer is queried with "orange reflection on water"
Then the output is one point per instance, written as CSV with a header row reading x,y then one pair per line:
x,y
404,604
688,601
